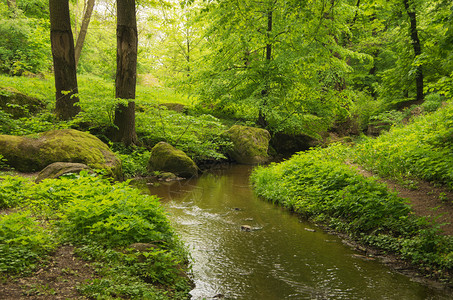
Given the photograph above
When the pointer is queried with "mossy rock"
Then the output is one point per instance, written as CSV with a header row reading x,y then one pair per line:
x,y
34,153
59,169
19,105
250,144
166,158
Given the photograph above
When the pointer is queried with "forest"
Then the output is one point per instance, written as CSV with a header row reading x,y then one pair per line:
x,y
343,104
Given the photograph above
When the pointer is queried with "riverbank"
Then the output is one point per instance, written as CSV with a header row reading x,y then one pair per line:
x,y
83,237
320,186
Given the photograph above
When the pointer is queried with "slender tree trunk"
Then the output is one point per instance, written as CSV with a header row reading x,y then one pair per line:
x,y
11,4
417,49
83,29
126,71
264,93
63,60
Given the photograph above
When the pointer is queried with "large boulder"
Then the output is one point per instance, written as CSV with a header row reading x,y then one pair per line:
x,y
166,158
288,144
250,144
35,152
59,169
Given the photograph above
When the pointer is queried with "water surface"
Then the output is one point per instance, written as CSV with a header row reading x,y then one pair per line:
x,y
281,258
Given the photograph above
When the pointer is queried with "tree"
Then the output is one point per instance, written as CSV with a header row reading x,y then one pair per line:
x,y
63,60
126,71
415,40
89,5
11,4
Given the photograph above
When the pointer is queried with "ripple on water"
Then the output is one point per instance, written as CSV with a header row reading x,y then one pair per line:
x,y
280,261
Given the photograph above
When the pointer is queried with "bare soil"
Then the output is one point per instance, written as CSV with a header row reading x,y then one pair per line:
x,y
58,279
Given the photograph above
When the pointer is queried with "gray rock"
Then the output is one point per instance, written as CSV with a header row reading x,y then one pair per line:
x,y
59,169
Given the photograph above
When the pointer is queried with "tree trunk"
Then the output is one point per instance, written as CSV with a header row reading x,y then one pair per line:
x,y
262,121
63,60
11,4
126,71
417,50
83,29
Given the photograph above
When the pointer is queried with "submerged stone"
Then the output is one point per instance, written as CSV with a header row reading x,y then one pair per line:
x,y
166,158
250,144
35,152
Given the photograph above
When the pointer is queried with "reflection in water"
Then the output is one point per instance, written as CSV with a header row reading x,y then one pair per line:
x,y
279,258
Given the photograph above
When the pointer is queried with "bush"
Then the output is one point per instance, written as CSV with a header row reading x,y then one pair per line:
x,y
119,217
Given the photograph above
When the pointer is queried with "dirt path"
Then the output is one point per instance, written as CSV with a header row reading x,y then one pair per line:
x,y
58,279
426,200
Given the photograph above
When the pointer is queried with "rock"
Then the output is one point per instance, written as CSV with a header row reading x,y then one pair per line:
x,y
167,176
246,228
181,108
166,158
377,128
287,144
58,169
35,152
250,144
18,104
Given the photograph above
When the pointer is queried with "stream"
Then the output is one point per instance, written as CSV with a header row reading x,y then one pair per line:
x,y
282,257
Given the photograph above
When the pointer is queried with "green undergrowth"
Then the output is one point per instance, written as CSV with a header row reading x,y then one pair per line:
x,y
103,221
422,149
199,135
319,185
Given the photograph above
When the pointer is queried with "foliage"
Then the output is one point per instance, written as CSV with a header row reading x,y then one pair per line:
x,y
200,137
133,161
12,191
24,43
421,149
321,186
117,217
102,219
23,242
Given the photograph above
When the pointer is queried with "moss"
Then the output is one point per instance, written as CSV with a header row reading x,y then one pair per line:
x,y
165,157
31,153
18,104
250,144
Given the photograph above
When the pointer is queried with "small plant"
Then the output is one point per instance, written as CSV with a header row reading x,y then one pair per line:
x,y
23,242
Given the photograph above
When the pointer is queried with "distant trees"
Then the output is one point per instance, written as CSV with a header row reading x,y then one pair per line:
x,y
89,5
63,60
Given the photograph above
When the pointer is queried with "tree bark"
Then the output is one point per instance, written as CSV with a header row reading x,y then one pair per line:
x,y
83,29
11,4
417,49
62,44
126,71
262,121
